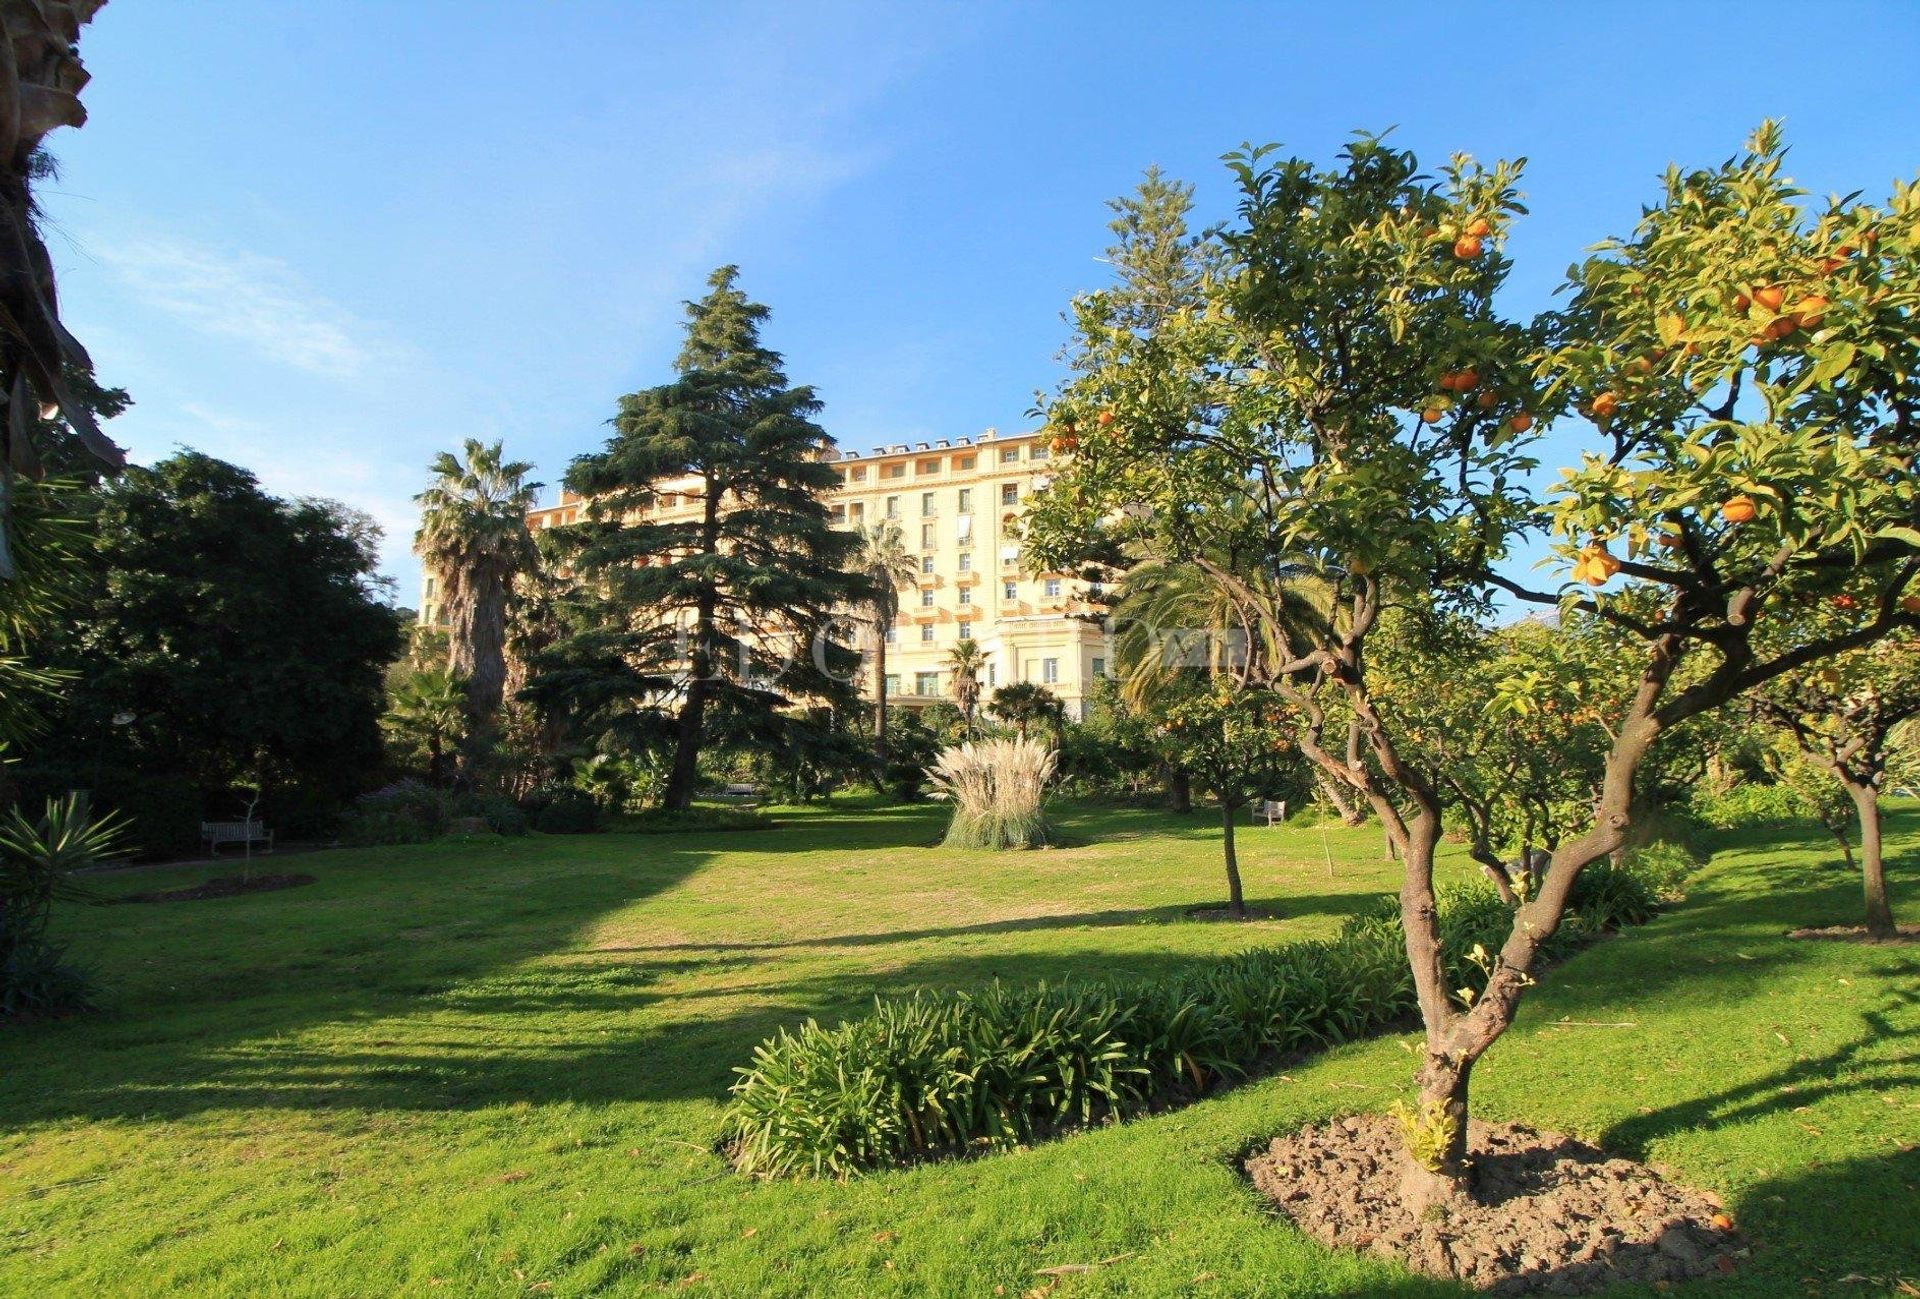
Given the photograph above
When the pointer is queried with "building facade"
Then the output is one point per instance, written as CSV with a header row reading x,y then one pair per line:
x,y
957,505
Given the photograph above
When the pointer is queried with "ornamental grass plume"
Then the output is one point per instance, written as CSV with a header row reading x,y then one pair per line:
x,y
998,788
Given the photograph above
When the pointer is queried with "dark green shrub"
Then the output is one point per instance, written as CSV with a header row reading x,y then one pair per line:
x,y
570,812
35,979
407,811
503,815
944,1073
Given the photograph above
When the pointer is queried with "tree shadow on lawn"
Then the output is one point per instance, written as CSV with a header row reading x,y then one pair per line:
x,y
1841,1071
1267,913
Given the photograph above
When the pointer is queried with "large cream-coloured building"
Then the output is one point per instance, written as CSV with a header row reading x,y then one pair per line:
x,y
955,504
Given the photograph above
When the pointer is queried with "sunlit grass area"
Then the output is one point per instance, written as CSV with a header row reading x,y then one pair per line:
x,y
498,1067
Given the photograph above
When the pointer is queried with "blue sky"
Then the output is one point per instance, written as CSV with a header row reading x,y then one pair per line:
x,y
327,239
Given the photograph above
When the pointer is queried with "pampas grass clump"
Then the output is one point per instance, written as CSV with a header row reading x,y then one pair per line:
x,y
998,788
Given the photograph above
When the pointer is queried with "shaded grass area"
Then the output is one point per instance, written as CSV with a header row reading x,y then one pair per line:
x,y
500,1066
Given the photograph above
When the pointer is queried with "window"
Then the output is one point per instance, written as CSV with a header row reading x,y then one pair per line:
x,y
963,462
839,514
893,635
926,563
926,634
1010,591
926,505
896,471
427,588
1039,452
966,631
966,561
893,507
966,595
993,674
858,474
1050,588
926,467
926,599
859,509
1009,455
966,500
1099,667
926,683
1009,493
1050,671
893,683
926,536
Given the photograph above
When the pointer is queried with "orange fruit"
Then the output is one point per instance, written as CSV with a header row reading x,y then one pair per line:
x,y
1487,400
1778,329
1741,302
1520,423
1106,417
1739,509
1479,228
1464,381
1911,603
1431,415
1604,405
1843,602
1810,311
1467,247
1639,365
1670,540
1769,296
1448,379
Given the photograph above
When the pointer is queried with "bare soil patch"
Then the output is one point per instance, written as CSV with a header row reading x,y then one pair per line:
x,y
223,886
1857,934
1548,1215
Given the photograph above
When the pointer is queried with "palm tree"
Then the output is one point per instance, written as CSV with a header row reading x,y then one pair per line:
x,y
430,709
966,659
473,538
1027,705
883,560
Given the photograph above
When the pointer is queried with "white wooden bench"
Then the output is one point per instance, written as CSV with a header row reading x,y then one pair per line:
x,y
1271,811
248,833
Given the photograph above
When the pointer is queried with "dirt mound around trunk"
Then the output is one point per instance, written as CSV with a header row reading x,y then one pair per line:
x,y
1548,1215
1856,934
223,886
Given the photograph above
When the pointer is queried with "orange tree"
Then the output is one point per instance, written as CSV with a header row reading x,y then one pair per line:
x,y
1509,720
1842,715
1347,386
1349,375
1235,740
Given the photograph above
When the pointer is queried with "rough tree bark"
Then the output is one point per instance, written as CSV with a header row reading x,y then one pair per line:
x,y
1236,900
1873,875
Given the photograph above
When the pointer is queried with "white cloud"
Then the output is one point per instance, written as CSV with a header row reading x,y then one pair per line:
x,y
259,301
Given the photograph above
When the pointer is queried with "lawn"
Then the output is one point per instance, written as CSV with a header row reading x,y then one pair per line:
x,y
498,1067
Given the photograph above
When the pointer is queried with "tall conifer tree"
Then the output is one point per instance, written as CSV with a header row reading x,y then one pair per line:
x,y
722,619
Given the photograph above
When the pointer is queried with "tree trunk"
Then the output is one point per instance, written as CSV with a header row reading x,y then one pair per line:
x,y
1331,791
879,706
477,649
434,768
1873,875
1236,901
1839,833
685,772
1442,1116
1179,790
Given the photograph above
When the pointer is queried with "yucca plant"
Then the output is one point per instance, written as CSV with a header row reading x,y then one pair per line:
x,y
998,789
38,861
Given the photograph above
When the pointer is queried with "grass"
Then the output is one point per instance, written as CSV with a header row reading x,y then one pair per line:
x,y
497,1068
